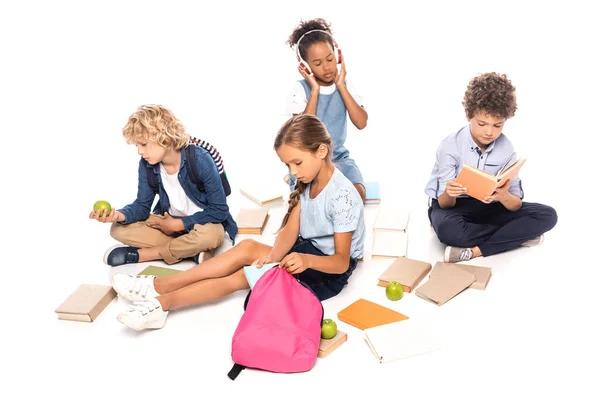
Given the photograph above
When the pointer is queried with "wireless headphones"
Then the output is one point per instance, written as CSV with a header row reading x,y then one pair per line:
x,y
303,64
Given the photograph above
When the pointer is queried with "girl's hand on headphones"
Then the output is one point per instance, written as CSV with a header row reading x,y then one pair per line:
x,y
339,81
312,81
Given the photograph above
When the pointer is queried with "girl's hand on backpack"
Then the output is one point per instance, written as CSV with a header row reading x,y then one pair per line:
x,y
295,263
258,263
312,81
114,216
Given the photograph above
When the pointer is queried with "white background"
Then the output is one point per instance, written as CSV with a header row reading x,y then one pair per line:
x,y
72,72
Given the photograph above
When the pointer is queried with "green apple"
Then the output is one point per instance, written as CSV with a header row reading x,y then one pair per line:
x,y
328,329
102,205
394,291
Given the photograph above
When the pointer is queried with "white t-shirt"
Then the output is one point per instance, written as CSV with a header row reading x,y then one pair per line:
x,y
180,204
338,208
297,98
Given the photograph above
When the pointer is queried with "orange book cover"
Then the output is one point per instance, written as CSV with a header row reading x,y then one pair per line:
x,y
366,314
481,184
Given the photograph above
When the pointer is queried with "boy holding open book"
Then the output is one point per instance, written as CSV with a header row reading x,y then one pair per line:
x,y
473,225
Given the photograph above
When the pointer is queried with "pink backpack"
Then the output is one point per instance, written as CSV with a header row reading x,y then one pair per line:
x,y
280,330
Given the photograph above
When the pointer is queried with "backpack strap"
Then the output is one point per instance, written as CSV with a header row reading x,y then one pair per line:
x,y
235,371
152,179
191,156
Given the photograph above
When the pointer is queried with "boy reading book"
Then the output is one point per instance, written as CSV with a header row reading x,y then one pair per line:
x,y
480,184
500,221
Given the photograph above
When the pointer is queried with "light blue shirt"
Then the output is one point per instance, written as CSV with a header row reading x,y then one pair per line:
x,y
338,208
458,149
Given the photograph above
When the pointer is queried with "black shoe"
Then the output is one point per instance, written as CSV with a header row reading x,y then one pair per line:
x,y
119,255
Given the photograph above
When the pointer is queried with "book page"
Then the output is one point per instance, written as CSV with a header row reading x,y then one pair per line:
x,y
508,164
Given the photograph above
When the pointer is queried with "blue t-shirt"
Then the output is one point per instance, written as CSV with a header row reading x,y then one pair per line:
x,y
338,208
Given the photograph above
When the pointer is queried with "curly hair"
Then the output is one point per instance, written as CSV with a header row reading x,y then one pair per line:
x,y
305,132
490,92
315,37
157,124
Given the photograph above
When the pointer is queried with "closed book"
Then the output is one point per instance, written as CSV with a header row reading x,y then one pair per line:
x,y
254,273
86,303
158,271
373,195
252,220
398,340
446,283
482,274
262,194
389,244
328,345
406,271
391,219
480,184
366,314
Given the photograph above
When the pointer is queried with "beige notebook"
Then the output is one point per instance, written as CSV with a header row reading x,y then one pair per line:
x,y
391,219
389,244
445,284
262,194
406,271
252,220
328,345
86,303
482,274
402,339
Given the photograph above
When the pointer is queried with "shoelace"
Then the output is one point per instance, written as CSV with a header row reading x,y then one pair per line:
x,y
465,255
140,283
144,307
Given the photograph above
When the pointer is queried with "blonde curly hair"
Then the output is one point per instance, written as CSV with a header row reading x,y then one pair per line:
x,y
157,124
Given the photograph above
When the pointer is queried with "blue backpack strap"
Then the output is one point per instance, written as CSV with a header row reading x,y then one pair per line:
x,y
216,156
152,181
191,156
235,371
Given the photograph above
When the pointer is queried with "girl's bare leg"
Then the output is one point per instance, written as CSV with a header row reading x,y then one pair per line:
x,y
222,265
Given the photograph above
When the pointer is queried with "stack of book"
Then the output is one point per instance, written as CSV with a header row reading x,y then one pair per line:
x,y
390,236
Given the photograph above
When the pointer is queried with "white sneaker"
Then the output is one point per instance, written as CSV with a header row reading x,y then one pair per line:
x,y
147,314
134,288
534,242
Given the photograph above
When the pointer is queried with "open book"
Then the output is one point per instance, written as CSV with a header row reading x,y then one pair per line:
x,y
480,184
398,340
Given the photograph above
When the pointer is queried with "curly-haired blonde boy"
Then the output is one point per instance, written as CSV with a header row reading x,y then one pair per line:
x,y
188,220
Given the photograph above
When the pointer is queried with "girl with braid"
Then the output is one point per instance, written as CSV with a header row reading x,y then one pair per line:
x,y
320,240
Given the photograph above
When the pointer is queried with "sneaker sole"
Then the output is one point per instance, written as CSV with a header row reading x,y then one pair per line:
x,y
447,254
109,250
125,320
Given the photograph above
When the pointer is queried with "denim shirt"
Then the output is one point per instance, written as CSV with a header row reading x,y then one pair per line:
x,y
212,199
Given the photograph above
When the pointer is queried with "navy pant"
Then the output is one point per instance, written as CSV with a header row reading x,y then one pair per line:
x,y
323,284
492,227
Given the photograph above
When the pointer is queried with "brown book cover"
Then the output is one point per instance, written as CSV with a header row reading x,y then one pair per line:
x,y
406,271
366,314
482,274
86,303
480,184
328,345
252,220
444,284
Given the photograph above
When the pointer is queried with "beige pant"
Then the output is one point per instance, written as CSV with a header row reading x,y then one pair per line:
x,y
171,248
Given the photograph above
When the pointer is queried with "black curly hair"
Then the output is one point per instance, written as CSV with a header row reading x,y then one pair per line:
x,y
493,93
312,38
